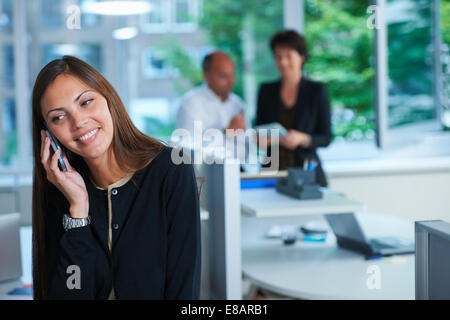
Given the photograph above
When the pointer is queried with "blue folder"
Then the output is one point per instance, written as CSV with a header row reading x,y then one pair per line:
x,y
258,183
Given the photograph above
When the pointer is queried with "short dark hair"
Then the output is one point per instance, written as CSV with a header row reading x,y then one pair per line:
x,y
291,39
207,62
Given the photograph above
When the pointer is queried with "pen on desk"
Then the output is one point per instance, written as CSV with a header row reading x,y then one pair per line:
x,y
314,238
305,164
312,165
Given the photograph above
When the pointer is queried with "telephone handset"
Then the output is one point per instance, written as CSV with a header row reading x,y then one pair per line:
x,y
55,147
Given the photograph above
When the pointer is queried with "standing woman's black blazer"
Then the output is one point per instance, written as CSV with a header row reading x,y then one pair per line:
x,y
311,116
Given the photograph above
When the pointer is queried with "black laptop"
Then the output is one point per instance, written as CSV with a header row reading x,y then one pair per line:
x,y
350,236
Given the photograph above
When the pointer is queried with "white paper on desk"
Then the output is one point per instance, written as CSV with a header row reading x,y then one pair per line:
x,y
277,230
318,225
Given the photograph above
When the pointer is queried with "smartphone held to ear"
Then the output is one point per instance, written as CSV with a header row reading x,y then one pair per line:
x,y
55,147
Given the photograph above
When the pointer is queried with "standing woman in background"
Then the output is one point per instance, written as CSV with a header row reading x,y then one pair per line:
x,y
299,104
122,222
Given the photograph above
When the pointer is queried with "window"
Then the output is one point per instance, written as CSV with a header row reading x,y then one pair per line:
x,y
89,20
406,101
6,14
171,16
151,74
8,65
410,61
8,132
154,64
152,116
44,21
51,38
340,48
445,61
157,19
244,38
158,13
184,13
90,53
53,13
8,143
409,94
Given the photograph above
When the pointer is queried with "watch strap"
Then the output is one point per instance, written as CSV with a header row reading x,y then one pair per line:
x,y
71,223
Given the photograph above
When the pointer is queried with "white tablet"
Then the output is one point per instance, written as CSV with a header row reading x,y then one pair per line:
x,y
270,126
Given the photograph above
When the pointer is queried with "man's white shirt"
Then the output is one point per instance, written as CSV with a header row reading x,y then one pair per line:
x,y
202,104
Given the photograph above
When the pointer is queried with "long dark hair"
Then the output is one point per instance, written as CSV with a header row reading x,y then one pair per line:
x,y
132,149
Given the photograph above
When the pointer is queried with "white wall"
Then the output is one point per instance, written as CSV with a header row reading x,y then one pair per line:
x,y
419,195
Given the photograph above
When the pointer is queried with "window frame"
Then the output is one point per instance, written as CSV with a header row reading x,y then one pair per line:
x,y
166,72
182,27
169,24
390,138
160,27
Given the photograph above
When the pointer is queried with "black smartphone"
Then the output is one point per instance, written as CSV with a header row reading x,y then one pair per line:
x,y
55,146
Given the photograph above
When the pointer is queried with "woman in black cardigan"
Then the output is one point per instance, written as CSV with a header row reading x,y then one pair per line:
x,y
299,104
122,221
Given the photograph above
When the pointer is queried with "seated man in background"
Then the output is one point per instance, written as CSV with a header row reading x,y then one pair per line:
x,y
213,103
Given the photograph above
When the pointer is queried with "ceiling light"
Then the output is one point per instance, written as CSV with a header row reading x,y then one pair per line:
x,y
125,33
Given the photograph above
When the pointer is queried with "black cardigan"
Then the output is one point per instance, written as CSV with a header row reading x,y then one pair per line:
x,y
155,245
311,115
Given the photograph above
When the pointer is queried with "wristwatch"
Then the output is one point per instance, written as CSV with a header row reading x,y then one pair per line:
x,y
70,223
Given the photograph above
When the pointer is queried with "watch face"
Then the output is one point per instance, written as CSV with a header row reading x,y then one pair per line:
x,y
65,221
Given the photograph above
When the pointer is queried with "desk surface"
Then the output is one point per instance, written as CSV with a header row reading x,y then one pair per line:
x,y
322,270
267,202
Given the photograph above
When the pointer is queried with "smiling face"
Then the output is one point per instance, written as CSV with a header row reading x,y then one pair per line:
x,y
288,60
78,116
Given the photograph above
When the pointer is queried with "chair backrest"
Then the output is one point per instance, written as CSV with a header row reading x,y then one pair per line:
x,y
10,254
432,260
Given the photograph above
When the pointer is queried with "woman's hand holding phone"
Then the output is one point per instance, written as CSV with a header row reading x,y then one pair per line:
x,y
70,182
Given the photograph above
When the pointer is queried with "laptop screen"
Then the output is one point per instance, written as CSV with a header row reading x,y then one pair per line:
x,y
345,225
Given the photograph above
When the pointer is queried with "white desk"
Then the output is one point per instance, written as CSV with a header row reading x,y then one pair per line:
x,y
322,270
267,202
